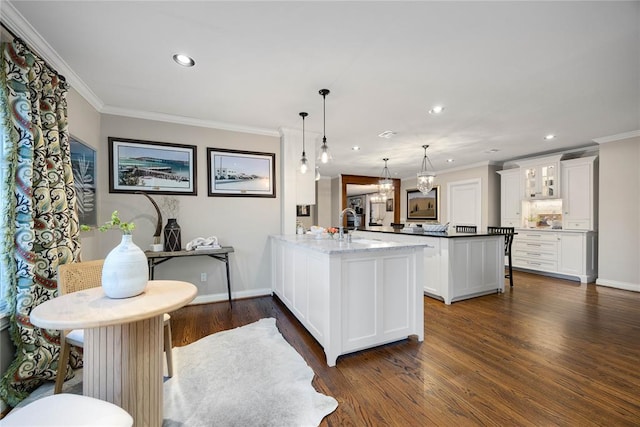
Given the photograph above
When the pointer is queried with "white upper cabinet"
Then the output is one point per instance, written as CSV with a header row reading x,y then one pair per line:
x,y
510,198
578,188
541,178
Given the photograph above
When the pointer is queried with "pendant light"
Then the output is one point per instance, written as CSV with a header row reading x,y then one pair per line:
x,y
304,164
385,185
425,178
324,148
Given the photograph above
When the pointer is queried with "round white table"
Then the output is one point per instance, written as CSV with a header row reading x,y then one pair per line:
x,y
123,342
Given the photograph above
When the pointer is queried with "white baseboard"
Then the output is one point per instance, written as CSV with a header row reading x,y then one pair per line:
x,y
635,287
204,299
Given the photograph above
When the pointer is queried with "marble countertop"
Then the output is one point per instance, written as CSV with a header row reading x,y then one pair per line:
x,y
443,234
328,245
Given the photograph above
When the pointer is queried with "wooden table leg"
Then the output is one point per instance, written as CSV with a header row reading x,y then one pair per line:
x,y
123,365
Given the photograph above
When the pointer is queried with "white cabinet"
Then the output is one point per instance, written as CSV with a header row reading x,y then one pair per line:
x,y
455,268
350,298
510,198
578,204
541,178
570,253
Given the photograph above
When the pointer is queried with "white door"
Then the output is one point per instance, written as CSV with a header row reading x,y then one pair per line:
x,y
465,202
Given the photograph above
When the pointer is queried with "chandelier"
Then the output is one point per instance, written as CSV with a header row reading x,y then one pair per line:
x,y
385,185
378,198
425,178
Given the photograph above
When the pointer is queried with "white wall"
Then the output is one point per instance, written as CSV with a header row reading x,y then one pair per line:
x,y
325,206
619,214
490,183
242,222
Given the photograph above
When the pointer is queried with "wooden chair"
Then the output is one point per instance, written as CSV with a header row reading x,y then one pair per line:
x,y
508,241
78,276
466,229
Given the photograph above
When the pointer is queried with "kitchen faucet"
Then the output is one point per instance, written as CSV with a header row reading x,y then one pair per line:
x,y
341,227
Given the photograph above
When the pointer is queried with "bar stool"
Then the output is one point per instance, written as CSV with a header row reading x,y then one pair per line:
x,y
508,233
69,410
466,229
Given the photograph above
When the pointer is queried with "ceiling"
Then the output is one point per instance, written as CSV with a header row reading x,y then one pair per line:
x,y
507,73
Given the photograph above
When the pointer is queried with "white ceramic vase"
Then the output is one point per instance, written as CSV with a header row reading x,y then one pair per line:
x,y
125,272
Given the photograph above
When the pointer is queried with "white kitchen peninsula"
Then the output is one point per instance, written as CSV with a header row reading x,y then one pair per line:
x,y
350,295
457,266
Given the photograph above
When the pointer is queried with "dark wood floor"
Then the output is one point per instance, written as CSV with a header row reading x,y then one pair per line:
x,y
548,352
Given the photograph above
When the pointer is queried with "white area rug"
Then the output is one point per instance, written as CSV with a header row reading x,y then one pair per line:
x,y
248,376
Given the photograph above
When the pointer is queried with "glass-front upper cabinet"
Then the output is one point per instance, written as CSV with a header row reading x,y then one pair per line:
x,y
541,178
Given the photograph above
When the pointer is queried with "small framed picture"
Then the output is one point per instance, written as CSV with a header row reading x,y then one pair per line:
x,y
390,205
233,173
303,210
152,167
425,207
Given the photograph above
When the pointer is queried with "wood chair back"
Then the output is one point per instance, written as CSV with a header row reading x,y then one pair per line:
x,y
77,276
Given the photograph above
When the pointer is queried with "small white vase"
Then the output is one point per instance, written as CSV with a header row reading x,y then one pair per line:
x,y
125,272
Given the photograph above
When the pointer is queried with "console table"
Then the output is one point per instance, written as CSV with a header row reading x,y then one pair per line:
x,y
221,254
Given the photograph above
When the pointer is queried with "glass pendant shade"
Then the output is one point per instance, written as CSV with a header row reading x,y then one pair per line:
x,y
317,173
425,178
324,156
385,185
304,163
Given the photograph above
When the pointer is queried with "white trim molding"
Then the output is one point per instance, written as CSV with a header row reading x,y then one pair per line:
x,y
188,121
617,137
635,287
23,29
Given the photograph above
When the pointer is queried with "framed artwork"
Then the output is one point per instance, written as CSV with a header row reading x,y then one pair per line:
x,y
303,210
424,207
152,167
390,205
233,173
83,165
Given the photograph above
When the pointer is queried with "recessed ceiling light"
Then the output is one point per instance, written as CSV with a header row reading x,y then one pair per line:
x,y
184,60
355,148
492,150
550,137
436,110
450,160
387,134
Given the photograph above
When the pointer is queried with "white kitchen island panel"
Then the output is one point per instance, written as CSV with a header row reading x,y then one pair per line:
x,y
350,296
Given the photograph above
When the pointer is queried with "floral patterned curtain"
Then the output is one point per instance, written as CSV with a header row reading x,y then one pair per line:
x,y
38,226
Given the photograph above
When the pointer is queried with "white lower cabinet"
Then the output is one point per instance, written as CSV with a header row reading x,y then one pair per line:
x,y
455,268
557,252
353,300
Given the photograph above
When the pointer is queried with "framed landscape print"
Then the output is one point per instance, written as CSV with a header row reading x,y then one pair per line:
x,y
233,173
152,167
423,207
83,165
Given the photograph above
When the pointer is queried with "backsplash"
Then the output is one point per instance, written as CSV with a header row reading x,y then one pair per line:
x,y
543,213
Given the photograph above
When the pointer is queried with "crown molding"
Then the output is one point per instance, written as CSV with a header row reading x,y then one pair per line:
x,y
618,137
188,121
23,29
